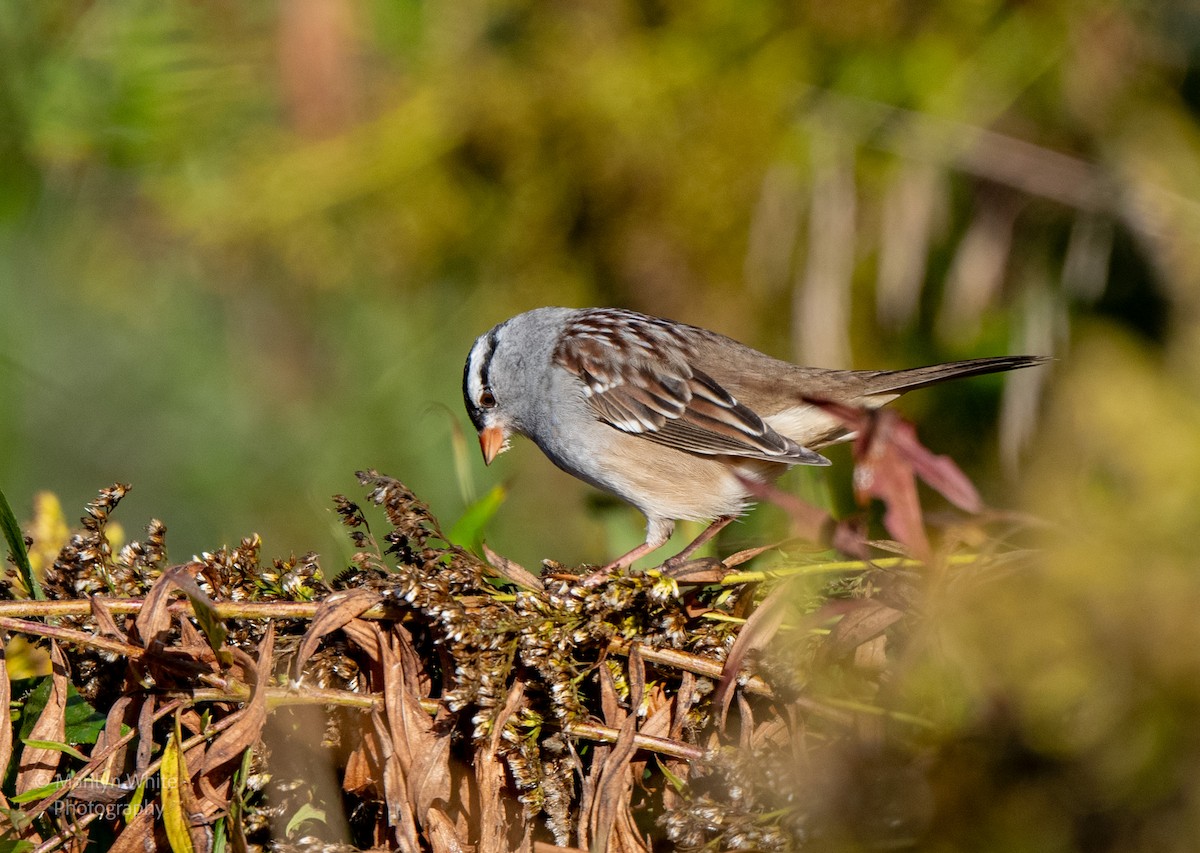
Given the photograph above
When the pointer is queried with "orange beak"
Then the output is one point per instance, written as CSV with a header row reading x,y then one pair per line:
x,y
491,442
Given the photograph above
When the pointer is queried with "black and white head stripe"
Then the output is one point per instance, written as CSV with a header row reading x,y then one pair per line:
x,y
476,379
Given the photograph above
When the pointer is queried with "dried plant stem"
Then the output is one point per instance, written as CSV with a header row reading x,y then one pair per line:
x,y
124,606
686,661
833,567
281,697
709,668
68,635
661,745
695,664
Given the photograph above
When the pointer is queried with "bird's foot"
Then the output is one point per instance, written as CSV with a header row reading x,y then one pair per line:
x,y
597,577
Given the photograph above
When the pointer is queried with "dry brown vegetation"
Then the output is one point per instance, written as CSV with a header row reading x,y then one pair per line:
x,y
470,705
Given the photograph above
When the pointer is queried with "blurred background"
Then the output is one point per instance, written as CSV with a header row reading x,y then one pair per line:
x,y
245,247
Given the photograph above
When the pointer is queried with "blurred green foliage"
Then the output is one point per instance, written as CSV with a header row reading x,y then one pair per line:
x,y
244,247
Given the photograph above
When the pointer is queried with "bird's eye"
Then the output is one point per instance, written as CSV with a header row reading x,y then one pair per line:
x,y
487,399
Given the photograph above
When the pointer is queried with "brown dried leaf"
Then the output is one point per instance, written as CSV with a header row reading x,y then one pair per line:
x,y
336,611
658,696
872,655
939,472
416,677
749,554
755,634
141,834
442,836
400,814
611,806
773,732
882,471
746,728
430,779
191,720
213,799
490,775
512,571
6,729
154,619
627,838
637,678
105,623
406,723
39,764
701,570
192,642
247,731
888,459
685,697
610,704
611,780
614,715
860,625
365,635
119,715
145,735
658,723
359,775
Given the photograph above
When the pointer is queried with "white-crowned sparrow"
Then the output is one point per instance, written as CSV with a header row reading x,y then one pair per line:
x,y
664,415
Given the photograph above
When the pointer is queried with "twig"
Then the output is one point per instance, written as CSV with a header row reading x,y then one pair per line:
x,y
699,665
695,664
281,697
124,606
661,745
68,635
735,578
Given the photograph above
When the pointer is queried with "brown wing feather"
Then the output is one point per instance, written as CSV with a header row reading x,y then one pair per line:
x,y
637,377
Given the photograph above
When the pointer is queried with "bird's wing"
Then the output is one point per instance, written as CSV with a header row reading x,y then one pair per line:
x,y
637,377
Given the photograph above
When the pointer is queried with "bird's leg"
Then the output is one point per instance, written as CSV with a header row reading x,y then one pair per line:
x,y
658,531
706,536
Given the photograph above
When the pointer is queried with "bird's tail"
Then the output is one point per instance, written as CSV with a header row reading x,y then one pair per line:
x,y
902,381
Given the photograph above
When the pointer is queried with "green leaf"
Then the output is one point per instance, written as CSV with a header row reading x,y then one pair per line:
x,y
39,792
467,532
220,842
83,723
18,819
135,802
55,745
306,812
212,626
9,846
16,547
676,781
205,611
